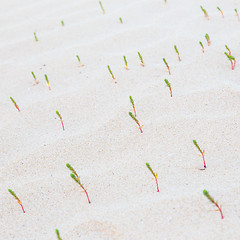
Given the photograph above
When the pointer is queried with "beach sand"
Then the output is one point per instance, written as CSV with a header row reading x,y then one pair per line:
x,y
100,140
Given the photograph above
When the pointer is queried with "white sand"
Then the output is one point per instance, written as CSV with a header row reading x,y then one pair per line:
x,y
101,141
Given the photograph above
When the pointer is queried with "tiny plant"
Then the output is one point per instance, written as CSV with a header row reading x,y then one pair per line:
x,y
133,105
125,61
203,49
205,12
206,194
62,22
16,197
109,69
141,59
59,115
236,11
35,36
164,60
231,59
36,81
201,151
154,174
134,118
15,104
169,86
175,47
219,9
229,51
100,3
76,178
120,19
47,81
80,63
58,234
208,39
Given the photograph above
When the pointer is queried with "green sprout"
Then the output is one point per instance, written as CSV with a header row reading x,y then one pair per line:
x,y
208,39
164,60
125,61
47,81
205,12
62,22
231,59
36,81
15,104
176,50
134,118
229,51
72,169
100,3
16,197
201,151
120,19
154,174
203,49
206,194
141,59
80,63
59,115
35,36
58,234
169,86
218,8
133,105
109,69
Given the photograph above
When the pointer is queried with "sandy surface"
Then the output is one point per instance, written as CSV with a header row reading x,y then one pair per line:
x,y
101,141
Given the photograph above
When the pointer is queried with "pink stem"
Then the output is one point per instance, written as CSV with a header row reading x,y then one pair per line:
x,y
204,161
157,184
220,210
171,92
179,58
62,124
17,108
87,195
140,128
232,65
135,112
22,208
169,71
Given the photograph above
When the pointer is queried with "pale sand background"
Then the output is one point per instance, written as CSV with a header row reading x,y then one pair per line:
x,y
101,141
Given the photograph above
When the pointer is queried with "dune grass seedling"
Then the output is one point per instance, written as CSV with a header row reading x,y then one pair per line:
x,y
109,69
133,105
126,64
169,86
203,49
120,19
76,178
62,22
236,11
219,9
206,194
134,118
15,104
47,81
201,151
205,12
16,197
154,174
208,39
176,50
164,60
35,36
59,115
141,59
80,63
36,81
103,10
231,59
58,234
229,51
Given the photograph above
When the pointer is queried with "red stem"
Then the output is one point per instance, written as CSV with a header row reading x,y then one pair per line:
x,y
171,92
22,208
17,107
62,124
179,58
134,111
220,210
204,161
140,128
169,70
87,195
157,184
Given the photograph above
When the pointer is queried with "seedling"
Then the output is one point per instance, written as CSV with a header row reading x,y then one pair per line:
x,y
58,234
36,81
141,59
203,49
120,19
60,119
236,11
134,118
175,47
62,22
46,77
229,51
109,69
16,197
218,8
201,151
15,104
80,63
208,39
169,86
133,105
35,36
205,12
206,193
154,174
102,7
164,60
126,65
231,59
76,178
